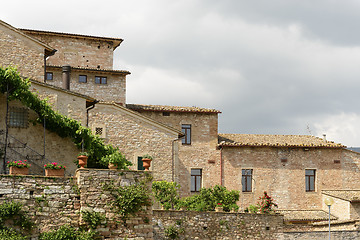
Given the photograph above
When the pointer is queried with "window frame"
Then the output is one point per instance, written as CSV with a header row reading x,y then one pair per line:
x,y
310,186
195,178
18,117
49,74
83,76
102,80
140,166
245,179
186,129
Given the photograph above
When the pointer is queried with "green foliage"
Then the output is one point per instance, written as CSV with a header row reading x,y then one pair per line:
x,y
116,158
55,122
11,214
252,209
128,200
173,232
18,164
93,219
266,203
54,165
209,198
67,232
166,193
147,156
10,234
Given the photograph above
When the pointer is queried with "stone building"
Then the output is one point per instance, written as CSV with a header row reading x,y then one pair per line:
x,y
297,171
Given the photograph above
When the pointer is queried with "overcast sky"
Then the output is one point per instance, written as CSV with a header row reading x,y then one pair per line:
x,y
271,67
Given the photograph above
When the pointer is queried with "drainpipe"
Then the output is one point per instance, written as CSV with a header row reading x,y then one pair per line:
x,y
91,106
46,55
66,69
173,158
221,166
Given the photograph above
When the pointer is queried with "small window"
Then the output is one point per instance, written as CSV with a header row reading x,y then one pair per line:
x,y
99,131
166,114
140,164
49,76
186,129
101,80
246,180
196,179
310,180
18,118
82,78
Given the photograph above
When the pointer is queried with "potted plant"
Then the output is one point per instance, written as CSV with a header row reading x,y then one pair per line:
x,y
114,161
54,170
82,159
147,161
20,167
219,207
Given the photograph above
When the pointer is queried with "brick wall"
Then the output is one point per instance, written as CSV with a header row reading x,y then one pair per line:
x,y
217,225
285,181
21,52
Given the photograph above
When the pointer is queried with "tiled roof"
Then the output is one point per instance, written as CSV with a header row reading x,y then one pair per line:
x,y
117,41
92,69
347,195
259,140
162,108
305,215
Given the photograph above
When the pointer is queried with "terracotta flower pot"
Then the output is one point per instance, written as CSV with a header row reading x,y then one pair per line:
x,y
218,209
146,163
112,166
82,160
54,172
18,171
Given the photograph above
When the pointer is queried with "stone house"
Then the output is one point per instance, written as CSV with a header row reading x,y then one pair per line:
x,y
187,148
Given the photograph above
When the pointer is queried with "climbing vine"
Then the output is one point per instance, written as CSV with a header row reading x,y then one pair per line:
x,y
18,88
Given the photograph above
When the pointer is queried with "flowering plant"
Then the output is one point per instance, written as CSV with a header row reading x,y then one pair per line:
x,y
219,204
19,164
266,203
54,165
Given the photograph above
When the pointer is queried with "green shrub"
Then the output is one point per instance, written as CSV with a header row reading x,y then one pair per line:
x,y
67,232
93,219
166,193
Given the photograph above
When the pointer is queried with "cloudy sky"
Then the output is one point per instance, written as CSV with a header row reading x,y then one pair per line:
x,y
271,67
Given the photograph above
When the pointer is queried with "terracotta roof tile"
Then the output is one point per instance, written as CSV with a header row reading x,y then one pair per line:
x,y
305,215
259,140
347,195
162,108
91,69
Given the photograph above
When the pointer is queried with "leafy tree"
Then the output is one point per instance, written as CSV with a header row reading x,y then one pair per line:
x,y
166,193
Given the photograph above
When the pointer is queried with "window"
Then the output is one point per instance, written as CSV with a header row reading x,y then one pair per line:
x,y
82,78
49,76
186,129
310,180
99,129
140,165
246,180
166,114
101,80
196,175
18,118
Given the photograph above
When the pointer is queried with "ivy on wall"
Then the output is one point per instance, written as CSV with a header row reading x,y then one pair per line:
x,y
18,89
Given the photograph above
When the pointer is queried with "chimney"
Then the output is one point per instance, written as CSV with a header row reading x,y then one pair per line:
x,y
324,137
66,69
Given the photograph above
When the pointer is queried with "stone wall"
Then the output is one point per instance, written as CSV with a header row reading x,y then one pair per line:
x,y
324,235
76,50
57,149
114,90
136,136
285,181
21,52
52,202
201,153
217,225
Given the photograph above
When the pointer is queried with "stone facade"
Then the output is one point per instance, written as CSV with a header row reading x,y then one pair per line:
x,y
201,153
52,202
285,181
21,51
217,225
136,136
28,142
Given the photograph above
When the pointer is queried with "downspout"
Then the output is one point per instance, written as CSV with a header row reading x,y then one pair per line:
x,y
173,158
221,166
45,58
92,105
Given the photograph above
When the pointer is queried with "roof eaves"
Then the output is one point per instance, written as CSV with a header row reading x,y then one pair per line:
x,y
122,72
167,108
